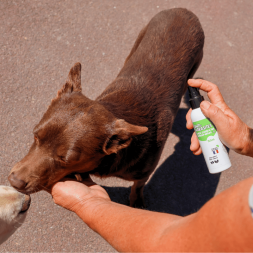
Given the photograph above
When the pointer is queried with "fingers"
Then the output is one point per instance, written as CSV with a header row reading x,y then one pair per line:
x,y
87,180
62,183
189,124
198,152
195,147
216,115
58,184
212,90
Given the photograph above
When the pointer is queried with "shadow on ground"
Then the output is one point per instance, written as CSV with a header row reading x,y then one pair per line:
x,y
182,184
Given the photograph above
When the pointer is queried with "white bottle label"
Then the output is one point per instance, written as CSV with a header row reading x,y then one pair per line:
x,y
214,152
251,200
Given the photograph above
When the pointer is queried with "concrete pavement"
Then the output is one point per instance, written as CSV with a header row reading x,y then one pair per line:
x,y
41,40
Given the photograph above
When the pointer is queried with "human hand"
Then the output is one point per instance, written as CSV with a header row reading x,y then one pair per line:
x,y
74,195
233,132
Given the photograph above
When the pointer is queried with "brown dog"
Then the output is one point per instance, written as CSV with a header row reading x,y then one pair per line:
x,y
121,133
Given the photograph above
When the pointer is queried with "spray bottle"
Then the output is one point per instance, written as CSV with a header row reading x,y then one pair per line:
x,y
214,151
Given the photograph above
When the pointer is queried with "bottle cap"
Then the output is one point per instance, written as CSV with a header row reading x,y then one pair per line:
x,y
195,97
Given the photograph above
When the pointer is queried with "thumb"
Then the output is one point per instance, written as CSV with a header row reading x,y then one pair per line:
x,y
215,114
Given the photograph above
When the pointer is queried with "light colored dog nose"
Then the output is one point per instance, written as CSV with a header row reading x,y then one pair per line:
x,y
26,203
17,183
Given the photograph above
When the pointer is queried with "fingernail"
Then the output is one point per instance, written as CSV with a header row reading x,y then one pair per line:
x,y
205,105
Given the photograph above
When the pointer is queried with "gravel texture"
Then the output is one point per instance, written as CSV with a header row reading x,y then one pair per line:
x,y
41,40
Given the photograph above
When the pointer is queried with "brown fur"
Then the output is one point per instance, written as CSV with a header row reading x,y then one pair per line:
x,y
121,133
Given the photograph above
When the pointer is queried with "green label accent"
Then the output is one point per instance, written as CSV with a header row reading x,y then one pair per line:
x,y
204,129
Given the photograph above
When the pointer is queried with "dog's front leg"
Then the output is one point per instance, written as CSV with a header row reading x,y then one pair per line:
x,y
136,195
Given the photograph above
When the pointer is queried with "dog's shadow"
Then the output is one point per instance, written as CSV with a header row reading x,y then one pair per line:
x,y
182,184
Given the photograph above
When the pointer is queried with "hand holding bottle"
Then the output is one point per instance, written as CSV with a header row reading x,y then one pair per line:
x,y
233,132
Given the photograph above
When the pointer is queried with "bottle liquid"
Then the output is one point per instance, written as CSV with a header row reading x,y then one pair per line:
x,y
214,151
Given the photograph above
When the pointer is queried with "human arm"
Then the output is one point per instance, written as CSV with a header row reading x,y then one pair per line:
x,y
223,224
125,228
233,132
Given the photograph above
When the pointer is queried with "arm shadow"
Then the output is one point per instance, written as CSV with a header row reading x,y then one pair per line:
x,y
182,184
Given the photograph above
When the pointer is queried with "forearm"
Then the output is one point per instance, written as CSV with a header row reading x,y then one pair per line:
x,y
223,224
127,229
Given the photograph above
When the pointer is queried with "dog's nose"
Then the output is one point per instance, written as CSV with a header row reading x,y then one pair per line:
x,y
26,203
17,183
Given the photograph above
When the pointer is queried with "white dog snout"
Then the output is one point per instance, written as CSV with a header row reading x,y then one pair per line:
x,y
13,210
26,203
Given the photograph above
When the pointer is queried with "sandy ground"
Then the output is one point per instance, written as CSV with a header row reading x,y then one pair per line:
x,y
41,40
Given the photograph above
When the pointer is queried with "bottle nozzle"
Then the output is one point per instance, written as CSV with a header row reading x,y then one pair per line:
x,y
195,97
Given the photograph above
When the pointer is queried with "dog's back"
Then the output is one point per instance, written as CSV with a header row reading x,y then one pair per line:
x,y
150,86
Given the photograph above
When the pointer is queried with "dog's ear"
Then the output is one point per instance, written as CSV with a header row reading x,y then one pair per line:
x,y
73,83
121,136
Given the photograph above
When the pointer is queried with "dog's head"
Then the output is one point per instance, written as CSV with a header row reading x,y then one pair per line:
x,y
73,136
13,207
